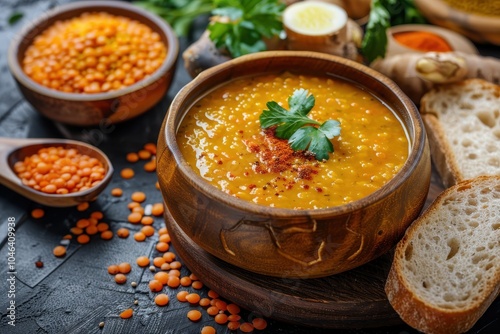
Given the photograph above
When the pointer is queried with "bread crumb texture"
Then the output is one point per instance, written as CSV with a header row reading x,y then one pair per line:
x,y
453,258
470,114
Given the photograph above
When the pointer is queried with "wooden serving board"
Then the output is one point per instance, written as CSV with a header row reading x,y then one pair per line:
x,y
353,299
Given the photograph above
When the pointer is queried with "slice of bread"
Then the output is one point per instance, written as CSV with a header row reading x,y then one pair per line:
x,y
446,269
463,126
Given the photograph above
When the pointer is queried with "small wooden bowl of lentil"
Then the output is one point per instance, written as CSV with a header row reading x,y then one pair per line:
x,y
238,192
88,63
54,172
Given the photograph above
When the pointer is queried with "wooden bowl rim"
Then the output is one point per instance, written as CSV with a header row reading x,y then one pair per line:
x,y
415,155
475,22
31,30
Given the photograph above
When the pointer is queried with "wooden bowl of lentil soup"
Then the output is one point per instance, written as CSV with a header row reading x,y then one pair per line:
x,y
237,191
93,62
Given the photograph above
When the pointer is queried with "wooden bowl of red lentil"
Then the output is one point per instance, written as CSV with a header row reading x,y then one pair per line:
x,y
221,189
88,63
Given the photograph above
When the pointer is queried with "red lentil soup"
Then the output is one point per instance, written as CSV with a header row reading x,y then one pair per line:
x,y
221,139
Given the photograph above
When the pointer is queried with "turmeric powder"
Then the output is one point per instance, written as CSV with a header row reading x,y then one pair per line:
x,y
423,41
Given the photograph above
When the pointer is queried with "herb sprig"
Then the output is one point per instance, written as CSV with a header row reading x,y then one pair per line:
x,y
249,21
383,15
302,132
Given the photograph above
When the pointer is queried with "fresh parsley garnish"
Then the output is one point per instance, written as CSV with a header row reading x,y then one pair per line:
x,y
383,15
248,21
299,129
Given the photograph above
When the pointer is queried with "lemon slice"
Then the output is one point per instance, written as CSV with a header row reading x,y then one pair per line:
x,y
314,18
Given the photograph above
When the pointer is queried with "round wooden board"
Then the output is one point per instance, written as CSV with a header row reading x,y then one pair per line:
x,y
353,299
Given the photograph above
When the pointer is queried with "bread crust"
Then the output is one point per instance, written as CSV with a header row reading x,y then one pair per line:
x,y
412,307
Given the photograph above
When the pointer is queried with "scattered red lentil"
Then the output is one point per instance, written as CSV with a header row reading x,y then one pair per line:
x,y
59,251
185,281
181,296
107,235
91,230
101,227
37,213
161,299
123,232
155,285
124,267
138,196
158,261
213,310
173,281
97,215
233,325
127,173
151,147
127,313
246,327
233,308
116,192
147,220
113,269
162,247
144,154
83,206
259,323
193,298
132,157
162,277
150,166
157,209
208,330
197,285
142,261
169,256
134,217
194,315
83,239
204,302
221,318
148,231
120,278
139,236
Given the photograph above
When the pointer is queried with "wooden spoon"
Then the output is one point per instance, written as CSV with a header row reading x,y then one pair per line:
x,y
13,150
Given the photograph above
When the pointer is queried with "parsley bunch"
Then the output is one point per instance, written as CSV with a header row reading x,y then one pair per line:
x,y
248,22
295,126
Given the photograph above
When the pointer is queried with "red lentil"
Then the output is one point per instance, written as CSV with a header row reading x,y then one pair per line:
x,y
161,299
144,154
151,147
134,217
127,173
181,296
132,157
204,302
165,266
208,330
197,285
185,281
116,192
124,267
120,278
148,231
139,236
37,213
59,251
59,170
169,256
162,277
233,325
83,239
155,285
221,318
142,261
162,247
127,313
246,327
259,323
157,209
173,281
233,308
147,220
193,298
85,205
113,269
138,196
194,315
95,52
107,235
101,227
123,232
213,310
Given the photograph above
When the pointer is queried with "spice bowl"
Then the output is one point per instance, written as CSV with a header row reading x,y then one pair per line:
x,y
99,106
284,242
450,38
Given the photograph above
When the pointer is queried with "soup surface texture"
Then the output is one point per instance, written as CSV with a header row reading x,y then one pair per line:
x,y
221,139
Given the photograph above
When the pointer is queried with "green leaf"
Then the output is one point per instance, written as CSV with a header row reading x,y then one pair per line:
x,y
301,102
14,17
383,15
249,22
295,126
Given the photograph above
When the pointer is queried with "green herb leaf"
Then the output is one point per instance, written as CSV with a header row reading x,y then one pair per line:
x,y
383,15
248,22
295,126
14,17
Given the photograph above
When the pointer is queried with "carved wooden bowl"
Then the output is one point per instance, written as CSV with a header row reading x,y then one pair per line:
x,y
100,108
285,242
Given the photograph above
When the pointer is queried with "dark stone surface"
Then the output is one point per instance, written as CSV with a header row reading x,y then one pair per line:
x,y
75,293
